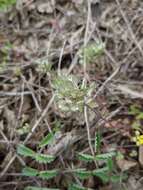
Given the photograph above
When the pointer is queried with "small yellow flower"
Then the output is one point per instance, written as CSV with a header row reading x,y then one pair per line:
x,y
138,138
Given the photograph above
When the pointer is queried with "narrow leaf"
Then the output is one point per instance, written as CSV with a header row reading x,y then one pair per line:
x,y
86,157
42,158
25,151
100,170
48,174
27,171
46,140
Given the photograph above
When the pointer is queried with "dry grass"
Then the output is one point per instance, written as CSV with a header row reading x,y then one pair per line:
x,y
54,32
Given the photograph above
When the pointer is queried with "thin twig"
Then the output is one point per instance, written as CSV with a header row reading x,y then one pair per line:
x,y
107,80
126,90
8,165
39,120
3,94
129,27
60,58
88,130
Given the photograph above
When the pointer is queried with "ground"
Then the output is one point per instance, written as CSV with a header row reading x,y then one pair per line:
x,y
84,54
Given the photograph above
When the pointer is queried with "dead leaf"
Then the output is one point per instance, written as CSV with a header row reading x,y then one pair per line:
x,y
11,118
62,143
45,8
77,1
27,104
33,43
125,165
11,121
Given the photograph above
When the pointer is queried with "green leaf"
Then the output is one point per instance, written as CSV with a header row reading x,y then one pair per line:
x,y
43,158
48,174
97,142
100,170
119,156
118,178
82,173
25,151
91,51
102,174
4,4
105,156
77,187
44,66
136,125
134,110
140,116
86,157
110,164
27,171
46,140
23,130
104,177
38,188
69,96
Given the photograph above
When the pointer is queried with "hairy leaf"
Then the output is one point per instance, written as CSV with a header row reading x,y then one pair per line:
x,y
104,177
86,157
100,170
25,151
91,51
102,174
43,158
27,171
48,174
82,173
105,156
97,142
46,140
